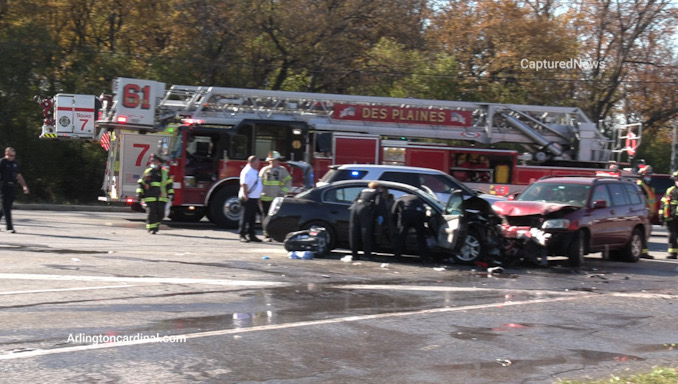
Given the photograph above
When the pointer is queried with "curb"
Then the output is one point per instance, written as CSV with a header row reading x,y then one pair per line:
x,y
67,207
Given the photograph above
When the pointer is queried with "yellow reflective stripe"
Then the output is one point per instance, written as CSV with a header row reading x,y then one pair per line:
x,y
673,250
266,198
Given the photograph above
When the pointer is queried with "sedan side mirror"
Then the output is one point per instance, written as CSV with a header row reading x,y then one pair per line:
x,y
599,204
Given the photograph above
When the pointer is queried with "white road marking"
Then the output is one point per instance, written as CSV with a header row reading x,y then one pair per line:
x,y
65,289
563,296
263,328
156,280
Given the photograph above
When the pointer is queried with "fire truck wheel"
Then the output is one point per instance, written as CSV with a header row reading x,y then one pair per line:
x,y
224,207
182,214
474,248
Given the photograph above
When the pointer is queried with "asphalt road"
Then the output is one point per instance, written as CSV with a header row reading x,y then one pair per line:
x,y
91,297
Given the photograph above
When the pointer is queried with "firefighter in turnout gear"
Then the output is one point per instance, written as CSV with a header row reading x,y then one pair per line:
x,y
668,214
276,181
368,208
155,189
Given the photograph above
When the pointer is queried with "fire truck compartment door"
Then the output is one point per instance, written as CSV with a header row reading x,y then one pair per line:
x,y
356,149
74,115
135,150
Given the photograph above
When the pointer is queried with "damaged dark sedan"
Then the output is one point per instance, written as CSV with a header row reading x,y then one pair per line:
x,y
573,216
466,228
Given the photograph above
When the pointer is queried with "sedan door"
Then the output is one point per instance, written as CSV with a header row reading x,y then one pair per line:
x,y
338,200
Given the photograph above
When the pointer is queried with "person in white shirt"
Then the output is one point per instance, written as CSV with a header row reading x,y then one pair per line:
x,y
250,192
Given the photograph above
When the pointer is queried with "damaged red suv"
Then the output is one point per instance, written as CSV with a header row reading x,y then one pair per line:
x,y
575,215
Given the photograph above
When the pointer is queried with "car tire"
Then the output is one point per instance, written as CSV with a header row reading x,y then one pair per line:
x,y
331,234
473,248
576,250
634,249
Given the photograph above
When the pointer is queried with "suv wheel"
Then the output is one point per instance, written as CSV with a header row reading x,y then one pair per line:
x,y
576,251
634,249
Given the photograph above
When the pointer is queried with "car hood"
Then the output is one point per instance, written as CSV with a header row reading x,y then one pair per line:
x,y
526,208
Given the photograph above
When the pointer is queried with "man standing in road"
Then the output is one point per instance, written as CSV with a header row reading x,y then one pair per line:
x,y
276,181
668,214
9,176
250,192
155,189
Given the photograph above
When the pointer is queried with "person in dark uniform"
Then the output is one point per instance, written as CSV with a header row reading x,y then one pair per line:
x,y
367,208
155,188
9,177
409,212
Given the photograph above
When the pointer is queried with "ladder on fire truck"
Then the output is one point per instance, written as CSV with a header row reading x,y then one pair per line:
x,y
548,132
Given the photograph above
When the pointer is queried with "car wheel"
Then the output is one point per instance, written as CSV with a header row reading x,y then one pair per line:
x,y
472,249
576,251
634,249
332,237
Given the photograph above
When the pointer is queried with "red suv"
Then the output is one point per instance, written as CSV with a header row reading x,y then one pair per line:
x,y
576,215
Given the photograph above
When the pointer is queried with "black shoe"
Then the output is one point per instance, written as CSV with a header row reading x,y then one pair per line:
x,y
255,239
646,256
243,239
672,257
13,231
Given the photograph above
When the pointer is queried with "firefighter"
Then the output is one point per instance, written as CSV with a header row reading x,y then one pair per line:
x,y
650,198
409,212
368,208
155,189
276,181
669,216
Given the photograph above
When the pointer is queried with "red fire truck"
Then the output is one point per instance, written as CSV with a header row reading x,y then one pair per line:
x,y
208,133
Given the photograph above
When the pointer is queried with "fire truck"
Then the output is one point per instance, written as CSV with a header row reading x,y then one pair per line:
x,y
208,133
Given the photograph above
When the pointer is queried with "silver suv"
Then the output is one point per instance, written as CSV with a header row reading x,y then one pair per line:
x,y
435,182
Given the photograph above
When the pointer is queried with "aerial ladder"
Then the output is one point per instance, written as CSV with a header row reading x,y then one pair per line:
x,y
547,132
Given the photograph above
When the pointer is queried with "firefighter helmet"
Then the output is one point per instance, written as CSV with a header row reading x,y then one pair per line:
x,y
674,176
275,155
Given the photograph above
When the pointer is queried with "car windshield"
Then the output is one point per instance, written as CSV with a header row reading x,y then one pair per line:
x,y
562,193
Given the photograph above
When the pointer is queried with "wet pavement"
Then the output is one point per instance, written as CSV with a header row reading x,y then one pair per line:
x,y
90,297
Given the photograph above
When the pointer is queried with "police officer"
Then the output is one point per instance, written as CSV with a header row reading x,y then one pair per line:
x,y
155,189
367,208
276,181
9,177
409,212
669,215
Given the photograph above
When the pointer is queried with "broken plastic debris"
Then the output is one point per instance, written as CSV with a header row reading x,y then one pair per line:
x,y
265,257
495,270
439,269
384,265
504,362
74,259
347,259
